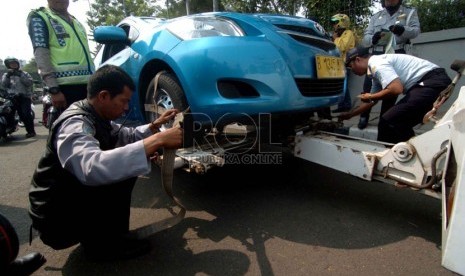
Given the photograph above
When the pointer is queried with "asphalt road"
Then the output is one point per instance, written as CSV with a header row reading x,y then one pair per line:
x,y
296,218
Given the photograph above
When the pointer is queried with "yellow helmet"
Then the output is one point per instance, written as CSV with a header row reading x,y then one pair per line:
x,y
342,20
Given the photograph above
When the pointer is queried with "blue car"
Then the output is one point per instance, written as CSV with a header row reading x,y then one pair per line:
x,y
226,67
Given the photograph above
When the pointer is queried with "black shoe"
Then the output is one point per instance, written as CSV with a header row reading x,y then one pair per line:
x,y
30,134
26,265
363,123
118,249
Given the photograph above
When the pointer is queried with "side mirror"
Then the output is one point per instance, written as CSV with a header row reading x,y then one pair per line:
x,y
110,35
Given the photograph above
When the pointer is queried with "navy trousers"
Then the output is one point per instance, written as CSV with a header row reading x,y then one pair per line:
x,y
396,124
23,107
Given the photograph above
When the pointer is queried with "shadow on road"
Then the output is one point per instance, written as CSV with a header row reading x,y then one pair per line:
x,y
252,205
241,217
307,203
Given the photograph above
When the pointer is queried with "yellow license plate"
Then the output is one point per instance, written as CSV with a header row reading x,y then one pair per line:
x,y
328,67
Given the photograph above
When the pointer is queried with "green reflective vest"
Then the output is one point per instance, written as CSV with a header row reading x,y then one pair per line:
x,y
69,50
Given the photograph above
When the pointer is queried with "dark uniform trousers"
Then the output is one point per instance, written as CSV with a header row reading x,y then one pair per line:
x,y
23,106
396,124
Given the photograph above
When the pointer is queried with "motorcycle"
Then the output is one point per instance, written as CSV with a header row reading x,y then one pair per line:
x,y
49,112
8,121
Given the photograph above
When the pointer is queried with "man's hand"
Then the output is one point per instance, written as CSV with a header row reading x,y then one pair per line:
x,y
58,100
376,37
171,138
10,73
365,97
397,29
167,116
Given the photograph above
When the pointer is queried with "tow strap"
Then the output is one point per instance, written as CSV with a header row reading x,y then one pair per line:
x,y
167,169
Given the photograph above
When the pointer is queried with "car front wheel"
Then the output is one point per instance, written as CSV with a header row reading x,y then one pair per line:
x,y
168,95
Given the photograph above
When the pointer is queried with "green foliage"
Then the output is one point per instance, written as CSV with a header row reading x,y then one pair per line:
x,y
436,15
178,8
110,12
262,6
31,68
358,11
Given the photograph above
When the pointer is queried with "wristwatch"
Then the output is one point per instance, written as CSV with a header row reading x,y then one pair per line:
x,y
54,90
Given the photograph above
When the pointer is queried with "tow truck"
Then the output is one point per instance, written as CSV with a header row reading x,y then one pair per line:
x,y
432,163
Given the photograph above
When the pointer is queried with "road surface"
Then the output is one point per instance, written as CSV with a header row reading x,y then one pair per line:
x,y
296,218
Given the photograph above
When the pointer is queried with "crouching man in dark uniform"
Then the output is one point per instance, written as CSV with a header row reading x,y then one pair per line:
x,y
419,80
81,189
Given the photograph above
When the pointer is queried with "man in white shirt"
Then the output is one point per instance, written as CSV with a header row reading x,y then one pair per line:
x,y
393,74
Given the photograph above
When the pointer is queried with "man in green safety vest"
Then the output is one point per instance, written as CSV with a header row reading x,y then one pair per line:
x,y
61,52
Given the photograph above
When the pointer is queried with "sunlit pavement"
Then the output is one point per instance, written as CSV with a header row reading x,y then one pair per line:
x,y
290,219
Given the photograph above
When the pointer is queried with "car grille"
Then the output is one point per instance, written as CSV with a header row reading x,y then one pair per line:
x,y
325,45
307,36
323,87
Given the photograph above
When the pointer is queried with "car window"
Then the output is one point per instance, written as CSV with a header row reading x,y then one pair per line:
x,y
133,33
112,49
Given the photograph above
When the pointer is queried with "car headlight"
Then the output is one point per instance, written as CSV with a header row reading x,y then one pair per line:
x,y
198,27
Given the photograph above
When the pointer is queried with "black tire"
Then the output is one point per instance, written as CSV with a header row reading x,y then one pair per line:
x,y
169,95
9,243
3,133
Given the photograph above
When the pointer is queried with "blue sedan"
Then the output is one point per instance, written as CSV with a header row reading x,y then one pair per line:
x,y
225,67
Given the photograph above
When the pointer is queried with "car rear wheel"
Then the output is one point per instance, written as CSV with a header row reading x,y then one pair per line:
x,y
169,95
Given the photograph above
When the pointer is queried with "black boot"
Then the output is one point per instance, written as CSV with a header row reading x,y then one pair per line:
x,y
363,122
26,265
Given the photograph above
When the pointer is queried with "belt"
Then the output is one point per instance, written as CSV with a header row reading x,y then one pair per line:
x,y
167,168
435,71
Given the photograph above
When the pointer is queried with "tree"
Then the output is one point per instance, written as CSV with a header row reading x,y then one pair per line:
x,y
262,6
358,10
321,11
436,15
176,8
110,12
31,68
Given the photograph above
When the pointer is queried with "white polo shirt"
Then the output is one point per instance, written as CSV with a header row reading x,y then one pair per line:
x,y
388,67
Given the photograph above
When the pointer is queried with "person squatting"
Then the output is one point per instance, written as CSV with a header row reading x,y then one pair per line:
x,y
79,192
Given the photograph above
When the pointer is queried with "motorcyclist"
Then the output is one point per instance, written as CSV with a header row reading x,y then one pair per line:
x,y
20,83
344,38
